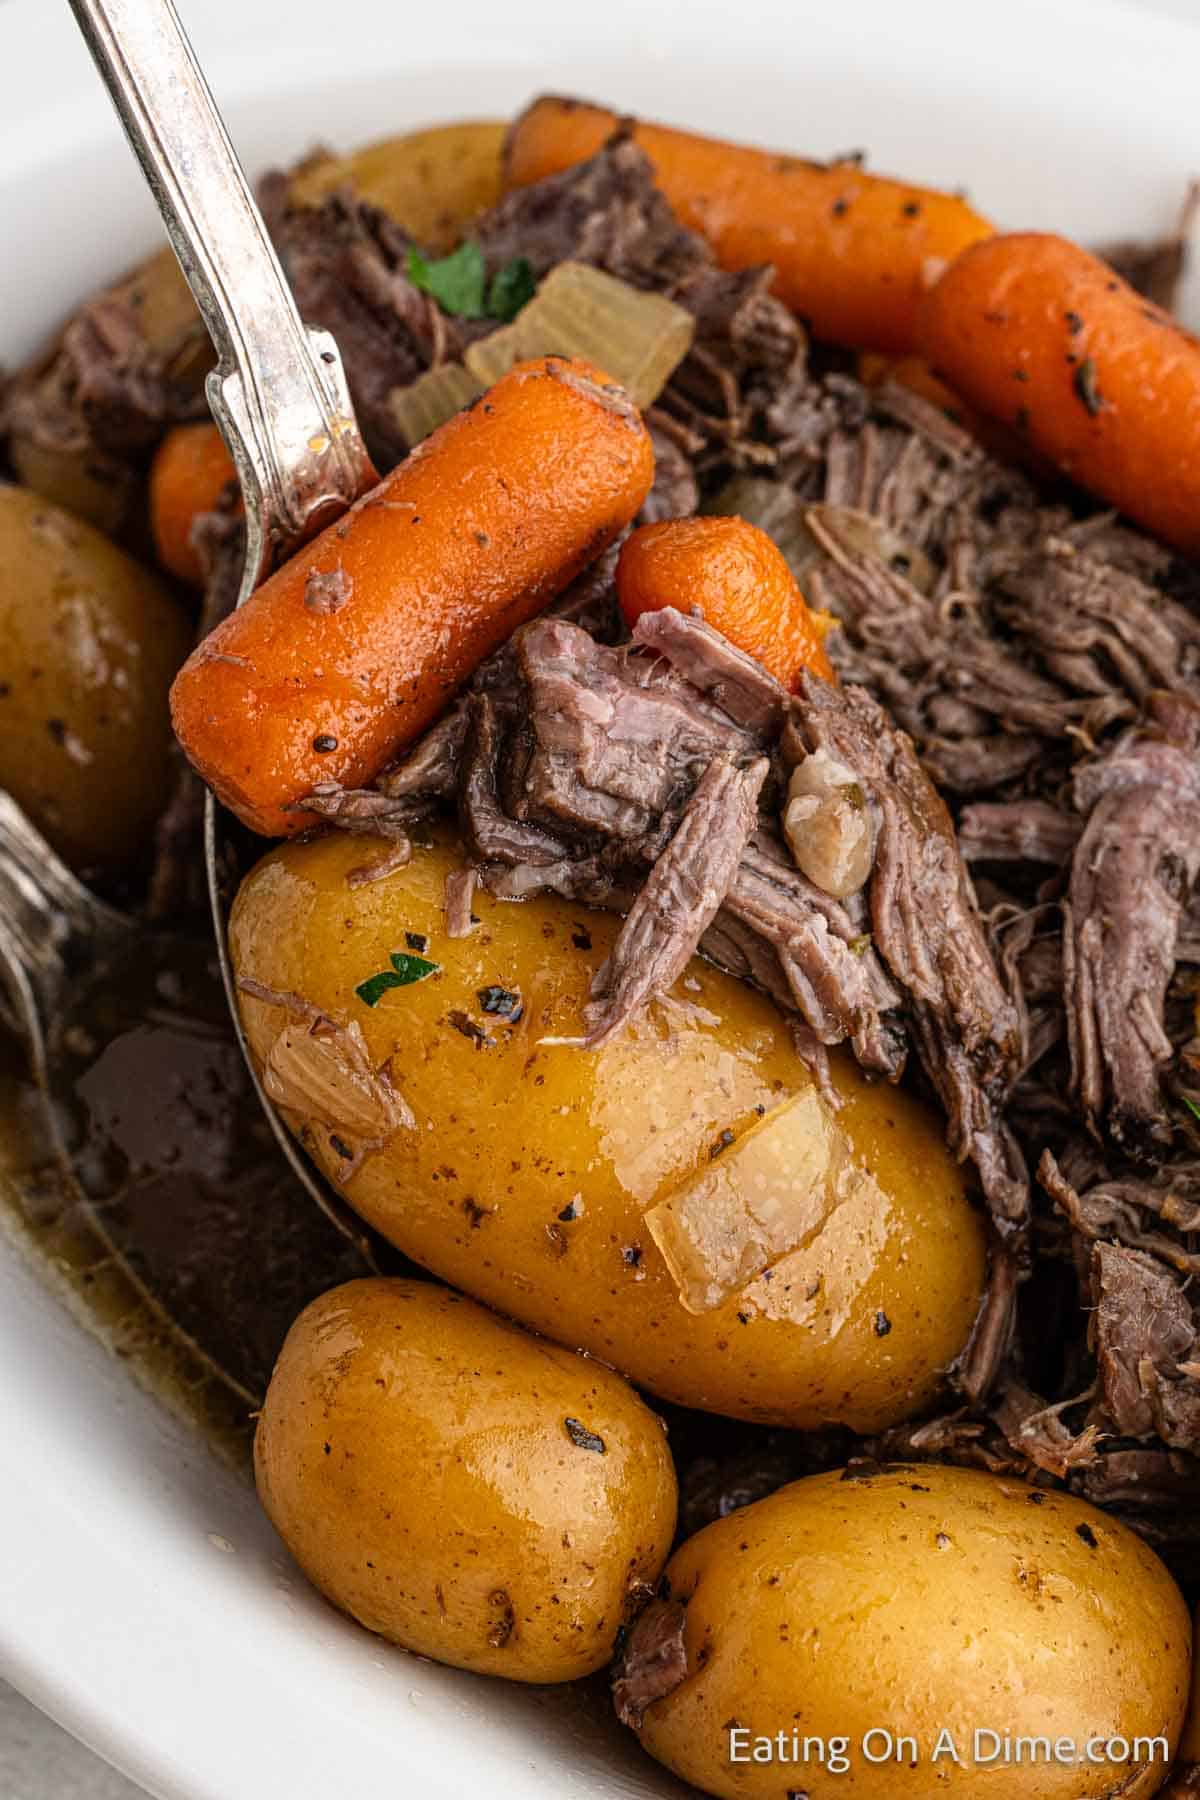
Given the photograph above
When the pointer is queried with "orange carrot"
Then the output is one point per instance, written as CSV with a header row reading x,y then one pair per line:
x,y
1038,333
738,578
191,470
853,252
910,372
346,653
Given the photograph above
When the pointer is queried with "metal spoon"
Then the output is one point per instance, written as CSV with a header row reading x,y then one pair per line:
x,y
278,393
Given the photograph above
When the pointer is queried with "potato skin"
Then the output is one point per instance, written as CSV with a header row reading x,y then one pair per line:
x,y
526,1180
89,642
912,1599
435,183
413,1454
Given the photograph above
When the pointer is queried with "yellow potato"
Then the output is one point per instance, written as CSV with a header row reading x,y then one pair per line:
x,y
434,183
531,1168
465,1490
918,1601
89,642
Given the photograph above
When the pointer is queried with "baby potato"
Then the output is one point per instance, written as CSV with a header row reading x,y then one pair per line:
x,y
434,183
921,1605
460,1487
819,1269
89,642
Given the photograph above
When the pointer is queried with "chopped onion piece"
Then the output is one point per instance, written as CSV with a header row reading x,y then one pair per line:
x,y
639,339
863,533
323,1071
828,825
431,399
765,1196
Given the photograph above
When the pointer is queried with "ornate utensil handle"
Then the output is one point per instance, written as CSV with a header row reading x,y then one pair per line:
x,y
279,394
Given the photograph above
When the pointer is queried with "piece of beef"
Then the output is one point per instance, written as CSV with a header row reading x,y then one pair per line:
x,y
1017,831
979,715
579,765
652,1663
1155,1213
1131,877
611,744
747,347
606,211
733,681
834,978
107,390
927,929
1096,628
346,264
1145,1330
679,898
1042,1432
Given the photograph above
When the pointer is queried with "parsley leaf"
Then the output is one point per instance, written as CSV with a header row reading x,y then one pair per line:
x,y
459,283
1191,1106
512,287
456,281
404,971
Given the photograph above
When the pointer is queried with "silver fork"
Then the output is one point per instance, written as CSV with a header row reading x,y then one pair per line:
x,y
278,393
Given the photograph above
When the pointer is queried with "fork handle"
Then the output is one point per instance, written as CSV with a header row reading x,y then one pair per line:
x,y
279,393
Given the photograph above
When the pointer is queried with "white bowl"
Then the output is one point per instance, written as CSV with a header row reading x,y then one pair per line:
x,y
144,1601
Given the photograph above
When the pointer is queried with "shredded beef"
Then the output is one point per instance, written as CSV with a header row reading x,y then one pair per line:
x,y
346,263
680,897
1145,1331
1017,831
927,928
1131,877
653,1662
832,975
606,211
728,677
106,390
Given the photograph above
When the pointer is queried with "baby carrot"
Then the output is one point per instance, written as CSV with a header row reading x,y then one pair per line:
x,y
911,373
191,470
740,581
853,252
349,650
1040,334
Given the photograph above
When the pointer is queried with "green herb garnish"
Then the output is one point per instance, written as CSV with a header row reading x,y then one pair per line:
x,y
404,971
459,283
1191,1106
456,281
512,287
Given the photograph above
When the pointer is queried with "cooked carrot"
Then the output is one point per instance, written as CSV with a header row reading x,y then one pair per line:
x,y
191,470
1040,334
347,652
853,252
915,375
738,578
